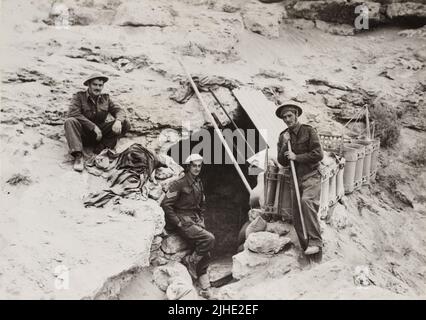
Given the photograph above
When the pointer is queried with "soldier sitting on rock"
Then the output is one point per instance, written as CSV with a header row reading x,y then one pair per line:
x,y
86,123
183,206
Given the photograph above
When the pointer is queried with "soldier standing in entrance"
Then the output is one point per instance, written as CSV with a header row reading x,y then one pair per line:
x,y
184,206
306,154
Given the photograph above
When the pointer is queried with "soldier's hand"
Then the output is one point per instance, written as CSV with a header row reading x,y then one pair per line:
x,y
98,133
116,127
290,155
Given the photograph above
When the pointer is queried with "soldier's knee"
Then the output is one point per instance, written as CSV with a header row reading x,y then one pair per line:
x,y
210,239
71,122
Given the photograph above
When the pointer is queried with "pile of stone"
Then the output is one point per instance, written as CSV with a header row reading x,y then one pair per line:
x,y
264,241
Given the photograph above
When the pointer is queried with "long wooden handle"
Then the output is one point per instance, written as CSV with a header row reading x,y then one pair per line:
x,y
296,186
216,128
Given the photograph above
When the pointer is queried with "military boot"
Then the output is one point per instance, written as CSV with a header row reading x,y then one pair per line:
x,y
191,263
204,281
78,163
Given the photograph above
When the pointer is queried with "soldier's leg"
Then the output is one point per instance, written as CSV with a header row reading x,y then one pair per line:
x,y
109,138
203,241
73,134
310,201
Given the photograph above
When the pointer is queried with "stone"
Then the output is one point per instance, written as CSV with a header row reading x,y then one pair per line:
x,y
256,225
300,23
254,213
163,275
334,28
420,54
178,256
144,14
339,217
247,263
278,227
179,288
156,243
173,244
263,19
332,102
266,242
163,173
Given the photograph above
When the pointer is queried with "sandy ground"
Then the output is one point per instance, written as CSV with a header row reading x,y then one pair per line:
x,y
43,223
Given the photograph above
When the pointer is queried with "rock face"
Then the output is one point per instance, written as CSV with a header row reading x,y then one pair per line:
x,y
335,11
61,243
407,10
143,14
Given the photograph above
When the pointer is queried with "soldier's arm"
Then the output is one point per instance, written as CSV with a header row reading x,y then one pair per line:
x,y
315,154
281,148
203,203
168,204
74,111
116,111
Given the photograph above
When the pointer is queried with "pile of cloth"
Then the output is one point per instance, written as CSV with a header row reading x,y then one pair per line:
x,y
203,83
127,172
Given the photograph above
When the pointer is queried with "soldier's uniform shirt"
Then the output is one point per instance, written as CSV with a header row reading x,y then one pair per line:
x,y
90,111
84,113
306,145
184,205
185,198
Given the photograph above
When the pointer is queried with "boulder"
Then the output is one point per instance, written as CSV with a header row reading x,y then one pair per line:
x,y
266,242
278,227
256,225
173,244
246,263
163,173
144,14
263,19
335,28
179,288
339,217
163,275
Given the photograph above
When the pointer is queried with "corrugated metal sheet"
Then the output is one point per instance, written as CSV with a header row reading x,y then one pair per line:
x,y
261,111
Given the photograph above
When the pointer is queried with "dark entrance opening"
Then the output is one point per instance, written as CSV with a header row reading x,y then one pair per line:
x,y
226,196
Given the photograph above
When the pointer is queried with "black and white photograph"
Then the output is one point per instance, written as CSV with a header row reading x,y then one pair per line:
x,y
213,150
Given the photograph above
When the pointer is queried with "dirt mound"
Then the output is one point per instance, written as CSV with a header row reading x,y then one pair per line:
x,y
44,61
